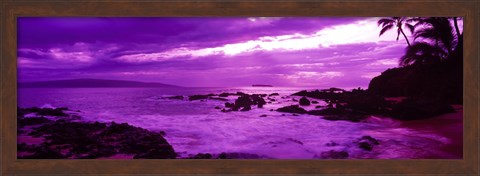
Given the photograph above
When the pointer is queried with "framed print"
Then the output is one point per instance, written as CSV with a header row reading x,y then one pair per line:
x,y
158,87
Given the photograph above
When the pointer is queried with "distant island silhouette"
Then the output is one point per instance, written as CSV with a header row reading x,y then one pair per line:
x,y
261,85
71,83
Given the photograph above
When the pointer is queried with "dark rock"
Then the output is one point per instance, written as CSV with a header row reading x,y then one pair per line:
x,y
221,99
293,99
365,146
411,109
243,101
94,140
218,107
301,93
263,115
330,105
32,121
157,153
260,95
319,106
351,117
367,143
229,105
304,101
224,94
274,94
332,93
235,108
63,108
43,152
333,90
227,110
246,108
328,111
370,140
197,97
258,100
47,111
292,109
314,102
241,93
339,114
201,156
332,154
239,156
179,97
442,81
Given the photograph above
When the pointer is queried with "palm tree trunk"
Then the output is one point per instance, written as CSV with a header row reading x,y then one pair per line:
x,y
405,37
456,27
459,36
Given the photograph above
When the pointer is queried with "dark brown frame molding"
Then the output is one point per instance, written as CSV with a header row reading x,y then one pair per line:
x,y
10,10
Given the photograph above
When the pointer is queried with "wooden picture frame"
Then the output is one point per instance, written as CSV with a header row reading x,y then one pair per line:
x,y
10,10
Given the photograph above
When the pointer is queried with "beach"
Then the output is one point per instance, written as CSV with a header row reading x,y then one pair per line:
x,y
198,124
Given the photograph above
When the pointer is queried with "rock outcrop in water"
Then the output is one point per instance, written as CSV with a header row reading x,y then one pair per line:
x,y
245,102
332,154
226,155
441,82
367,143
358,104
197,97
339,114
292,109
304,101
64,138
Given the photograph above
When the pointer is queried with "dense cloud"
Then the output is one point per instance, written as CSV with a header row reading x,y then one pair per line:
x,y
207,51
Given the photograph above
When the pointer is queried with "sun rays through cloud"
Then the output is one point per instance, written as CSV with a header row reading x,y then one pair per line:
x,y
284,51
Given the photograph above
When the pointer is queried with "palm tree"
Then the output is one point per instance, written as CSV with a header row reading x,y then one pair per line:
x,y
399,22
421,53
456,28
437,29
437,45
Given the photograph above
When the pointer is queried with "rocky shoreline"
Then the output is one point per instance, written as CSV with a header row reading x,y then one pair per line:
x,y
51,133
355,105
60,133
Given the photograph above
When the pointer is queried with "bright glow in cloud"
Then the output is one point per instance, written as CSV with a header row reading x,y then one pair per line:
x,y
365,31
370,75
318,75
78,56
219,52
384,62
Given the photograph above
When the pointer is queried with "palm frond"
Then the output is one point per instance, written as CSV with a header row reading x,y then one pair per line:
x,y
426,33
410,27
414,19
421,52
385,21
385,29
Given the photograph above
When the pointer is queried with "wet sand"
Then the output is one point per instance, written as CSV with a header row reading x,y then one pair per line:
x,y
448,125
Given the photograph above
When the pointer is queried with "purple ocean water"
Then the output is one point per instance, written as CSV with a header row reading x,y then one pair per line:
x,y
193,127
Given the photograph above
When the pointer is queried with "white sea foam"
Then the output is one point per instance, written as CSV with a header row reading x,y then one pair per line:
x,y
197,127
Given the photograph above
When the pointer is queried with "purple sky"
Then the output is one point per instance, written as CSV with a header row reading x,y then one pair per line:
x,y
321,52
